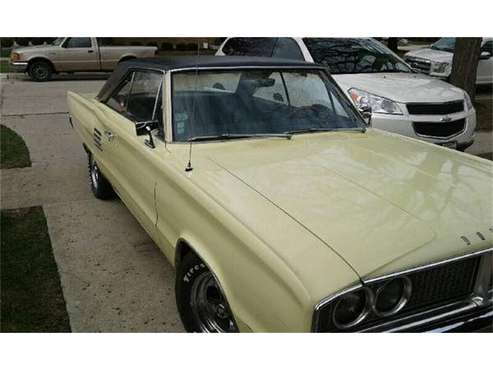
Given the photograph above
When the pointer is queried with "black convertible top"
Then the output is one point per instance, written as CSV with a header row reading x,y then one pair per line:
x,y
187,62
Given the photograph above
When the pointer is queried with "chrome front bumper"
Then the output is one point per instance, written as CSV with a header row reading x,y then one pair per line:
x,y
457,317
18,67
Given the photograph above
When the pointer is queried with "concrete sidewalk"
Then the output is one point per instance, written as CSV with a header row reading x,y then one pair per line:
x,y
113,277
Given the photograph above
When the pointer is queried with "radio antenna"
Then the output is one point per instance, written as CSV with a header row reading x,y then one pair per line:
x,y
189,165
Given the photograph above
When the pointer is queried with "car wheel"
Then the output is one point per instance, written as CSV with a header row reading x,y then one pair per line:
x,y
40,71
100,186
201,303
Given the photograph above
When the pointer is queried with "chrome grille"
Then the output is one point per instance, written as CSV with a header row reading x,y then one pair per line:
x,y
421,65
441,284
433,287
439,129
436,108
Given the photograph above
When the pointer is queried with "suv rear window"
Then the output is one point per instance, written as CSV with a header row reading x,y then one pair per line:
x,y
250,46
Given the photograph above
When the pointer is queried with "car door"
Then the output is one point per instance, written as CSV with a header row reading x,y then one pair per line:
x,y
485,65
131,164
77,54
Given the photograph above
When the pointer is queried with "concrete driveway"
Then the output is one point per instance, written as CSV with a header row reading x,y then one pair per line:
x,y
113,277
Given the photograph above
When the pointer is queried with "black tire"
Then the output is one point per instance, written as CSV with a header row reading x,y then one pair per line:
x,y
40,70
100,186
211,315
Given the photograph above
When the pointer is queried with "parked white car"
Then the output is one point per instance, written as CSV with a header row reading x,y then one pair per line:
x,y
437,59
402,101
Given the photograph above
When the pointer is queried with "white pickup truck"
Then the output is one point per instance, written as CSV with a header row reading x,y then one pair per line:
x,y
74,54
436,60
401,100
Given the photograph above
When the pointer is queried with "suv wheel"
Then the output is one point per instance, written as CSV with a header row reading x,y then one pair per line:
x,y
201,303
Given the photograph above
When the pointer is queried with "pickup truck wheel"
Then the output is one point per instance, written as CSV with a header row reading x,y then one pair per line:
x,y
40,71
201,303
101,188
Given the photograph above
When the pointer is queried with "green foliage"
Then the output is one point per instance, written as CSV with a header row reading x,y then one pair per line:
x,y
13,150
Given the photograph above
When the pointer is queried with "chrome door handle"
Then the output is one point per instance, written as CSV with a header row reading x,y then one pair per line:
x,y
109,135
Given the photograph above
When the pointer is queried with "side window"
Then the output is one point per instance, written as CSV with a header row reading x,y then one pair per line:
x,y
287,48
143,104
119,99
78,42
250,46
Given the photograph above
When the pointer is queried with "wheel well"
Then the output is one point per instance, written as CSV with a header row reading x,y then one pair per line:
x,y
39,59
126,58
182,249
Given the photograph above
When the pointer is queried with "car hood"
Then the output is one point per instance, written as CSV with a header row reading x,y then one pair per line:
x,y
35,49
401,87
432,55
382,203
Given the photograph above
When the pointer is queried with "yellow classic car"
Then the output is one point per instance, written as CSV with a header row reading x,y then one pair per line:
x,y
281,209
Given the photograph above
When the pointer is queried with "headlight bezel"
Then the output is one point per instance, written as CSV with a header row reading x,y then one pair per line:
x,y
376,102
403,299
324,313
14,56
439,67
361,316
468,101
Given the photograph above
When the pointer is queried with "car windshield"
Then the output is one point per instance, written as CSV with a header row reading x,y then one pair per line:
x,y
346,55
216,105
445,44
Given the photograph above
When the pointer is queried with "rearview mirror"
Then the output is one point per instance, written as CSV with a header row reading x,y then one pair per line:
x,y
485,55
365,111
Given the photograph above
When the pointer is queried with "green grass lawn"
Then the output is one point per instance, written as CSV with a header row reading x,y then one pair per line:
x,y
4,66
13,150
31,295
5,52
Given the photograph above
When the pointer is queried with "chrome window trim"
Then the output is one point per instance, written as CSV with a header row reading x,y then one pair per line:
x,y
312,67
473,302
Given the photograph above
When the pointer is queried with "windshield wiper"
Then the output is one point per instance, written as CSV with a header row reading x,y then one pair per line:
x,y
326,129
236,136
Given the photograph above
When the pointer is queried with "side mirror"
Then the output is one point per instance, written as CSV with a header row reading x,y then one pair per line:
x,y
365,111
145,128
485,55
141,126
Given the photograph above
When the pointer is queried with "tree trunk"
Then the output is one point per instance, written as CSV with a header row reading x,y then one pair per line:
x,y
465,64
393,43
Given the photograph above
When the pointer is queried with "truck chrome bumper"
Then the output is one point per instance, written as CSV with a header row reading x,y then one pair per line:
x,y
18,67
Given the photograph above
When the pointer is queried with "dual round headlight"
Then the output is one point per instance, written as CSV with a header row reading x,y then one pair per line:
x,y
387,299
391,297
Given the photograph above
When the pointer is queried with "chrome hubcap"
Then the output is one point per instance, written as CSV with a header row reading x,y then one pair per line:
x,y
39,72
94,174
209,306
